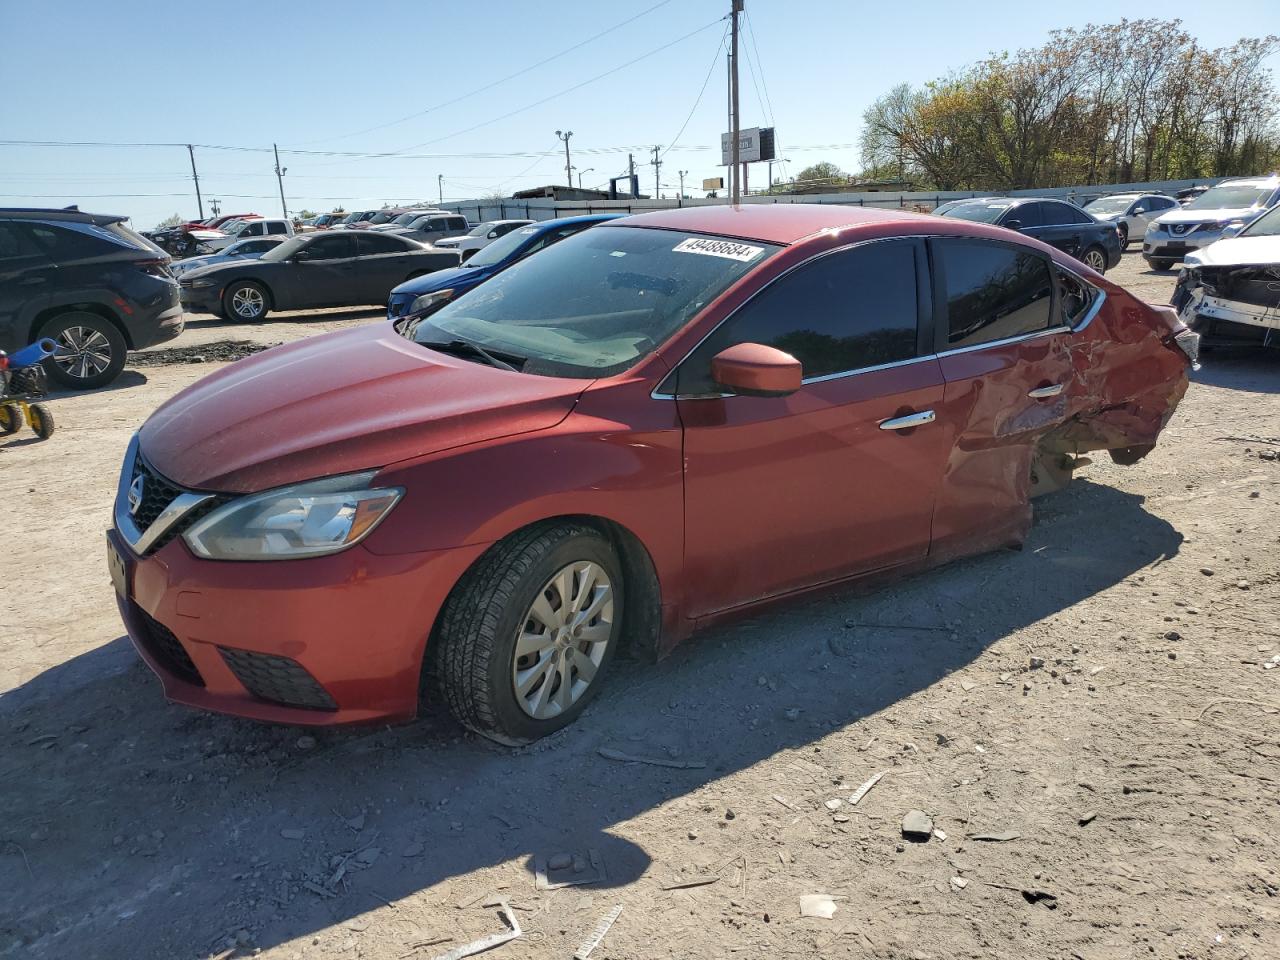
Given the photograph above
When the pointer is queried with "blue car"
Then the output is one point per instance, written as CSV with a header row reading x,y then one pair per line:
x,y
486,262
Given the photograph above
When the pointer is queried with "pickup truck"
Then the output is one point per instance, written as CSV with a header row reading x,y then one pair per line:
x,y
211,241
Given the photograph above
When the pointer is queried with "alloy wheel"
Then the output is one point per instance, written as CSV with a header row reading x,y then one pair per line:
x,y
247,302
1095,260
82,352
562,640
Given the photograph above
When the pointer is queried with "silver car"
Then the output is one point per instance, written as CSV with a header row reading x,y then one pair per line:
x,y
250,249
1232,203
1132,213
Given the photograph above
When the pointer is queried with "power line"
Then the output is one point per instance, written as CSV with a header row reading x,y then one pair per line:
x,y
714,60
760,66
495,83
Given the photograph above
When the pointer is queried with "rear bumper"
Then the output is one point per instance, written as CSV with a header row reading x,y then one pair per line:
x,y
159,320
324,641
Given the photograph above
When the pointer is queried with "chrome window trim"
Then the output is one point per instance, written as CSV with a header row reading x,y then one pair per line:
x,y
1092,312
139,541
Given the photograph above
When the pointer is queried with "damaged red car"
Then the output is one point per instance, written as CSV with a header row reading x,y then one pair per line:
x,y
645,428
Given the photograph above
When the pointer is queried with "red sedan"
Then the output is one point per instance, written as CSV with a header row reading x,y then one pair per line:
x,y
645,428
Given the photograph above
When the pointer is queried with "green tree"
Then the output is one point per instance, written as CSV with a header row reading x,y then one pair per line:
x,y
171,221
822,171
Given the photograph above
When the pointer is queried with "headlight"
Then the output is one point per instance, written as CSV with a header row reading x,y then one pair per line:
x,y
430,300
306,520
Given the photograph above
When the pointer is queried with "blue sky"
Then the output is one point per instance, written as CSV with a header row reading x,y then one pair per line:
x,y
335,75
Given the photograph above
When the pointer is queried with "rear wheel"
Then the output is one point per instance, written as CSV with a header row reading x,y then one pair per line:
x,y
10,418
527,635
1095,258
245,300
91,350
1161,264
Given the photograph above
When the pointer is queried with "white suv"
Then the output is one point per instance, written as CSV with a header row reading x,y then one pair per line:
x,y
1232,203
1132,213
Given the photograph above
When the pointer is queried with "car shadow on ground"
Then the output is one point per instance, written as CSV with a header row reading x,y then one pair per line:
x,y
124,814
127,380
1253,369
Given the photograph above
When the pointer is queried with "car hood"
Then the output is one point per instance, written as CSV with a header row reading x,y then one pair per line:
x,y
339,403
1113,215
1206,215
441,280
1238,252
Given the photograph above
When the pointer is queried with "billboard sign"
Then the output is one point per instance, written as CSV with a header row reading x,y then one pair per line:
x,y
754,144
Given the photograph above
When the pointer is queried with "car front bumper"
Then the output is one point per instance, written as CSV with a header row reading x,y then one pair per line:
x,y
321,641
1215,317
201,299
1164,246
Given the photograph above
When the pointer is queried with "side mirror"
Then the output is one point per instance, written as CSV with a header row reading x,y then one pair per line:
x,y
302,256
493,234
754,370
1013,224
1232,230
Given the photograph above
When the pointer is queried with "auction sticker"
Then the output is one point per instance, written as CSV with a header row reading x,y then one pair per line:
x,y
719,248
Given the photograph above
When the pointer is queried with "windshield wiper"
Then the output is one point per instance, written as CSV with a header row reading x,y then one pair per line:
x,y
467,347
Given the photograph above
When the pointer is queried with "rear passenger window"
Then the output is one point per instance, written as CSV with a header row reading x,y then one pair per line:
x,y
13,242
276,228
843,312
992,291
63,243
1075,297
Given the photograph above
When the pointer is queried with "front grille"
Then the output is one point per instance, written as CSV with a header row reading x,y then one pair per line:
x,y
166,649
277,680
1258,286
157,493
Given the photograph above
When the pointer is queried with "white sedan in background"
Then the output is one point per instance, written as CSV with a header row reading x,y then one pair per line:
x,y
481,236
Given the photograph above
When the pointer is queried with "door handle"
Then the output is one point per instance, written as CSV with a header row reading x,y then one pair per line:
x,y
1041,393
909,422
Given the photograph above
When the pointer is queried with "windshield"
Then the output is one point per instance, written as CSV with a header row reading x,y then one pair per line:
x,y
1267,225
285,250
501,248
406,218
595,303
1230,196
1109,205
482,229
381,217
352,217
982,212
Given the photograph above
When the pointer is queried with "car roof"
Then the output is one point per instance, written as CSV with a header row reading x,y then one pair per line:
x,y
1268,181
784,223
584,218
61,213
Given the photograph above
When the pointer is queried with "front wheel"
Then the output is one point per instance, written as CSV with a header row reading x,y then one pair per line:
x,y
41,420
527,635
10,418
245,301
1161,264
90,351
1095,258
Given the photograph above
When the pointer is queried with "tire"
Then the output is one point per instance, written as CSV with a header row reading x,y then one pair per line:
x,y
1095,258
91,350
1161,264
10,419
512,594
41,420
245,301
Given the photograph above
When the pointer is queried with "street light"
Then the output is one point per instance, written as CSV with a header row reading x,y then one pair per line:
x,y
580,173
568,167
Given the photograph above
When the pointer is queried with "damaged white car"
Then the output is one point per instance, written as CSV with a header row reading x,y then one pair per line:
x,y
1229,292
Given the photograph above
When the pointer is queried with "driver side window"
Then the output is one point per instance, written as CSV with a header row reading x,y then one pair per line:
x,y
836,314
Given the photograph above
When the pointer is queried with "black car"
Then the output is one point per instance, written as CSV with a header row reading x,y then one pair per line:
x,y
1055,222
88,282
340,268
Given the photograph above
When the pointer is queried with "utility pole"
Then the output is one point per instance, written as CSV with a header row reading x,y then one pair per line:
x,y
771,163
191,151
568,167
214,206
657,165
735,130
682,175
440,186
284,209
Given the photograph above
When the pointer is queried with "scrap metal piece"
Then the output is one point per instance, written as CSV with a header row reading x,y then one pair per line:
x,y
491,941
541,882
595,936
863,790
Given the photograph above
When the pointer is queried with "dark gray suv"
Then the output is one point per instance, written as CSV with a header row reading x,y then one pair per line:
x,y
90,283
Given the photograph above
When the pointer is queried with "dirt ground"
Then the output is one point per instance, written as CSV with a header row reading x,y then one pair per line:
x,y
1097,705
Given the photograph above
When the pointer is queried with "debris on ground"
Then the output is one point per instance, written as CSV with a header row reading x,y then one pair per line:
x,y
1002,837
597,934
863,790
1088,817
570,873
219,351
622,757
818,905
491,941
917,826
